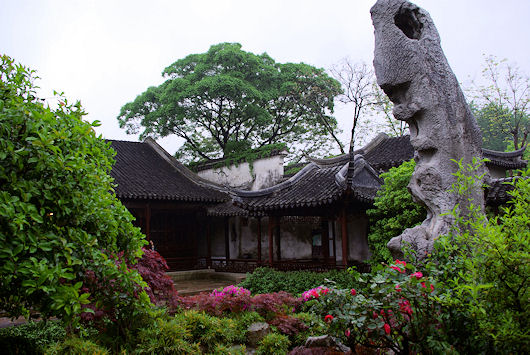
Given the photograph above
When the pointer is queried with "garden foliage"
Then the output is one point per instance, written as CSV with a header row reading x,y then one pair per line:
x,y
469,296
267,280
393,211
60,223
31,337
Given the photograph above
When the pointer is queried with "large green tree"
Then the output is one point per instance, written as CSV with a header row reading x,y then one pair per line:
x,y
60,224
227,100
502,105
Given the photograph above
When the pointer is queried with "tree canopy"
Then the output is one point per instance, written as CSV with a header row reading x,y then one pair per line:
x,y
228,100
502,105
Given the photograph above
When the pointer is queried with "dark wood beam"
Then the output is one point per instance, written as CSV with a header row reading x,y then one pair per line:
x,y
271,244
259,240
227,239
277,231
344,238
208,246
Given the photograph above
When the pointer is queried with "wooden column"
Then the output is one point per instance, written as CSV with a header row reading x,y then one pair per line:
x,y
278,238
208,246
271,244
324,226
334,239
344,225
227,240
259,240
148,221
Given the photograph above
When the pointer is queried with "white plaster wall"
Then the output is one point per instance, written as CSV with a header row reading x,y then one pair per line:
x,y
266,172
296,240
234,176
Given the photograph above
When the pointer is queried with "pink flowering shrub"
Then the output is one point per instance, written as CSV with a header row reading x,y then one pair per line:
x,y
314,293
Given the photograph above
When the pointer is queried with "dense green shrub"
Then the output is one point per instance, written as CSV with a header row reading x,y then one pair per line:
x,y
208,331
393,211
76,346
166,337
471,295
273,343
58,217
31,337
267,280
485,266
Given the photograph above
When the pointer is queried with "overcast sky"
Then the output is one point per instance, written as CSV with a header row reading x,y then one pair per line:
x,y
105,53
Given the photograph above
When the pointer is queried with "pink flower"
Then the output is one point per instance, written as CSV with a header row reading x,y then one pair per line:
x,y
397,268
347,333
353,292
328,318
398,288
404,263
417,275
387,328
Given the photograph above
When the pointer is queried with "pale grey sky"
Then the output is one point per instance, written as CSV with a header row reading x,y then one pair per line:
x,y
104,53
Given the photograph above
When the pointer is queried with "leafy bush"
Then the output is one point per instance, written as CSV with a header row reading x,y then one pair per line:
x,y
208,331
231,299
485,266
243,321
58,219
273,343
267,280
398,312
153,267
271,305
76,346
31,338
166,337
393,211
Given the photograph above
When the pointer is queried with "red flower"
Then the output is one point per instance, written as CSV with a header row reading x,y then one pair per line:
x,y
328,318
423,284
398,288
387,328
417,275
432,287
353,292
347,333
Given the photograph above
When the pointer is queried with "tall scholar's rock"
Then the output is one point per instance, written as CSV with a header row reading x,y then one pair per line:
x,y
412,70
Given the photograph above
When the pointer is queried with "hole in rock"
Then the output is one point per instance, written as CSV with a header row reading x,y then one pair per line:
x,y
407,20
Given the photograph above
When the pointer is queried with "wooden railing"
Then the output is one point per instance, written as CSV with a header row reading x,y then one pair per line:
x,y
248,265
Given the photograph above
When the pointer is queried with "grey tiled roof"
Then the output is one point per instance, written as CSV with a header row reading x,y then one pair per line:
x,y
226,209
507,160
385,152
145,171
315,185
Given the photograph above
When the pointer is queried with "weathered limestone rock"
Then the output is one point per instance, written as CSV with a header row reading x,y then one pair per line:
x,y
256,332
326,342
411,68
